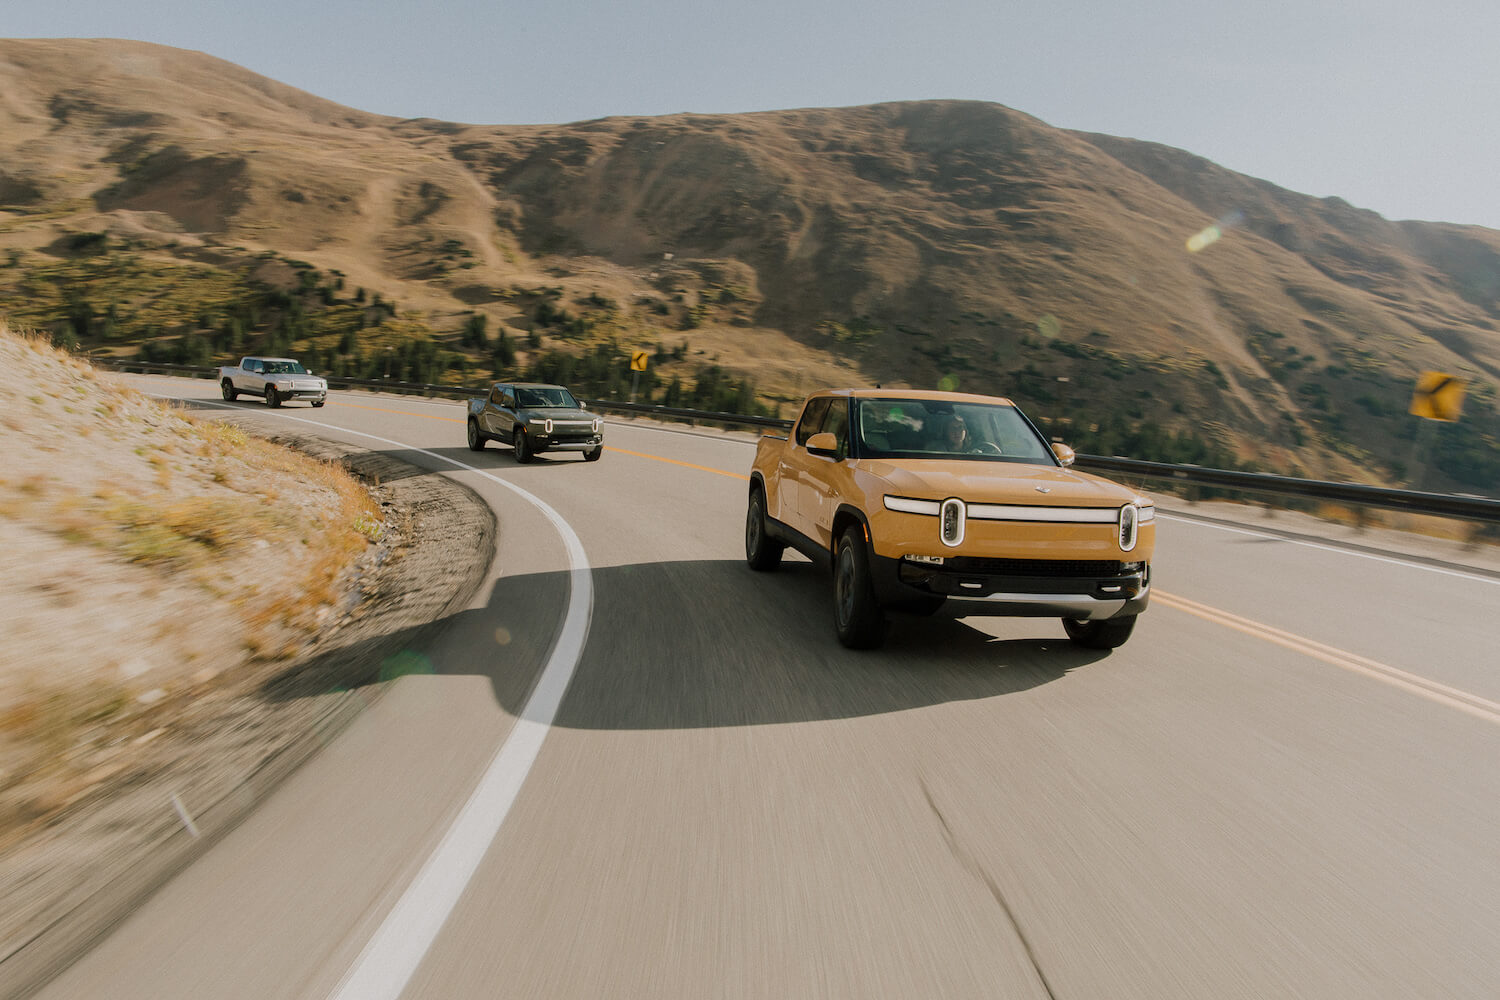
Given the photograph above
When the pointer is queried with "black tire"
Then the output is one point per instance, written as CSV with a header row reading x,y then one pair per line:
x,y
593,456
273,400
476,439
762,552
856,616
1109,633
523,447
318,402
229,391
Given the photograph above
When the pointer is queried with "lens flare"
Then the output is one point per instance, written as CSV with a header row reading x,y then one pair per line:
x,y
404,663
1210,235
1203,238
185,816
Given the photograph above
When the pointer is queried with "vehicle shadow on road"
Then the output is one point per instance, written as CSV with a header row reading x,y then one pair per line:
x,y
715,644
704,644
498,457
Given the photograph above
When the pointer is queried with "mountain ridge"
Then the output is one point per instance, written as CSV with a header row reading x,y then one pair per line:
x,y
930,242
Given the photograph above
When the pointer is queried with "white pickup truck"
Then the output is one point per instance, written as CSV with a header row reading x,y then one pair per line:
x,y
279,380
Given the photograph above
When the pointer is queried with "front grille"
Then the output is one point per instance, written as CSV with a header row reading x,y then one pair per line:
x,y
1034,567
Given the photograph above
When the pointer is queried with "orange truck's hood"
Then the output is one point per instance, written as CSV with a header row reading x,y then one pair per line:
x,y
997,482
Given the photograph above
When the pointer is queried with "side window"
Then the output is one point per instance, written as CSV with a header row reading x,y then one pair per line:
x,y
837,424
253,366
508,400
812,416
497,396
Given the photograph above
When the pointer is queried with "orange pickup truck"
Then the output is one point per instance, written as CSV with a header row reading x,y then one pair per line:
x,y
925,502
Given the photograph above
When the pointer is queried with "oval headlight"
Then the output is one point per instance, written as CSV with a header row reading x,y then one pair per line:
x,y
1129,526
953,514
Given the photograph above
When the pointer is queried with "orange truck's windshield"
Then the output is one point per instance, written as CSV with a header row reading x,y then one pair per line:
x,y
917,428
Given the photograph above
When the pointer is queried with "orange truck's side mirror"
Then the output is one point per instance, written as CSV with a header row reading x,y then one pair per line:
x,y
824,444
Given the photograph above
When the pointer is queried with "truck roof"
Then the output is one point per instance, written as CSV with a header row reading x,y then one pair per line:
x,y
955,397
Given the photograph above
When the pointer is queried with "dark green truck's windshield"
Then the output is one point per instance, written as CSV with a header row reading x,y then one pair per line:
x,y
552,396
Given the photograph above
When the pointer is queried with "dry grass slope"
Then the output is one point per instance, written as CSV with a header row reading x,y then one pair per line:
x,y
146,556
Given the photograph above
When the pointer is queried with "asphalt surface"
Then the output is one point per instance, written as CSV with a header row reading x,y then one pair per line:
x,y
1284,785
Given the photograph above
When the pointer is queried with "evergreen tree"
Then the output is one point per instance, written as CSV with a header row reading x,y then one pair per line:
x,y
474,332
505,352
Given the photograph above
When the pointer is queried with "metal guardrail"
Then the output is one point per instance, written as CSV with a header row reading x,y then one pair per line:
x,y
464,392
380,384
1471,508
1413,502
679,413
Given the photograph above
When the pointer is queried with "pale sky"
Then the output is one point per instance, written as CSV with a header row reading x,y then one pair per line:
x,y
1393,106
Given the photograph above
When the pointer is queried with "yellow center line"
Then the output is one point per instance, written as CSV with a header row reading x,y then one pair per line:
x,y
622,451
673,461
399,413
1441,694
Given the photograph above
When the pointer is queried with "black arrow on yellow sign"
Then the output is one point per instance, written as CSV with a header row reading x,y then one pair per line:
x,y
638,361
1439,396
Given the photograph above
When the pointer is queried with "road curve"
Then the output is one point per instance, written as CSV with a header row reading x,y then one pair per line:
x,y
1284,785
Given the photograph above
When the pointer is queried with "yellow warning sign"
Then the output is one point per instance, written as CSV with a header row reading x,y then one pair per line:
x,y
1439,396
638,361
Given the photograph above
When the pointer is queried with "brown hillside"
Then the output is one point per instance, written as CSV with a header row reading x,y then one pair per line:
x,y
920,243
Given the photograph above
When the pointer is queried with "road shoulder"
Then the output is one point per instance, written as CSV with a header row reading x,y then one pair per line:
x,y
65,887
1449,550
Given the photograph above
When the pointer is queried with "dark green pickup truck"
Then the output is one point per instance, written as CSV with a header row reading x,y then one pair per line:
x,y
533,418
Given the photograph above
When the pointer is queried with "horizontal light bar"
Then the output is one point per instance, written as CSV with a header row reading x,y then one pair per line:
x,y
1009,512
907,505
1067,515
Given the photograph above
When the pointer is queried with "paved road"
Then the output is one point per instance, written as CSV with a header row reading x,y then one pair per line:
x,y
1284,785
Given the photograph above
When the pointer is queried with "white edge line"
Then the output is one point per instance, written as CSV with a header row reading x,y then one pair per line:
x,y
1331,548
402,940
